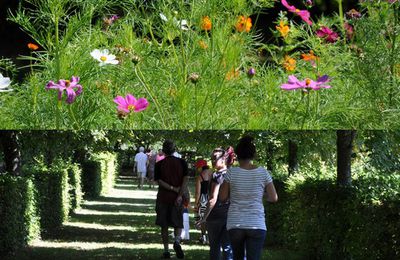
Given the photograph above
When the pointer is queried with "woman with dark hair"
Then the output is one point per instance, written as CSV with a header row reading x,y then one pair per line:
x,y
217,210
245,186
201,194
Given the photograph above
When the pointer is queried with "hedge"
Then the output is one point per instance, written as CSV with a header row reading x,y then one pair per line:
x,y
99,173
52,195
324,221
19,219
75,186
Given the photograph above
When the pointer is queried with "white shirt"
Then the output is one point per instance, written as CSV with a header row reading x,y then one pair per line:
x,y
141,159
177,155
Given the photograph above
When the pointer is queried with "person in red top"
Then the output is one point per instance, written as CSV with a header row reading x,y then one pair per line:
x,y
171,173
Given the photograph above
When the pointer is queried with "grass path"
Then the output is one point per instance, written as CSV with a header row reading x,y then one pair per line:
x,y
118,226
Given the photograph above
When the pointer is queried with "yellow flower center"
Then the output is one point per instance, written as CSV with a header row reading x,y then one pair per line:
x,y
308,82
297,10
103,58
67,82
131,107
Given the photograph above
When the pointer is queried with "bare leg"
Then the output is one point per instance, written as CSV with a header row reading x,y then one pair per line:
x,y
164,236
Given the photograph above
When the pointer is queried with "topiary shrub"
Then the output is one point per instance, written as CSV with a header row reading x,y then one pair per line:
x,y
52,195
99,173
18,213
75,186
324,221
274,216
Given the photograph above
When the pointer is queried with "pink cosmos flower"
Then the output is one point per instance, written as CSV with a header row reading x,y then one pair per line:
x,y
130,103
304,14
294,83
69,86
328,34
349,30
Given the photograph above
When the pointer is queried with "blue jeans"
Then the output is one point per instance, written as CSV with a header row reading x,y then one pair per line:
x,y
218,237
251,239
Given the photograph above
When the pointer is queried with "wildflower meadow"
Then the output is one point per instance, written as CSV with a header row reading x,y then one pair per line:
x,y
203,65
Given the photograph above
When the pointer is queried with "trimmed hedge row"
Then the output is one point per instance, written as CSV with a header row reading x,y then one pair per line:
x,y
99,173
52,196
324,221
38,203
19,218
75,186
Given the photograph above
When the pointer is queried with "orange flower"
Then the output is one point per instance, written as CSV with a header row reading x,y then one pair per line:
x,y
206,23
289,63
283,29
309,56
232,74
243,24
32,46
203,44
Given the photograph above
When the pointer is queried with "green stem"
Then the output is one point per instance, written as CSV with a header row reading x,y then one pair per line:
x,y
341,15
146,87
307,111
195,105
393,52
58,116
57,50
72,114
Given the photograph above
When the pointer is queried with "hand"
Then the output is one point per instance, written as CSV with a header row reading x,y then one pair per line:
x,y
199,224
178,201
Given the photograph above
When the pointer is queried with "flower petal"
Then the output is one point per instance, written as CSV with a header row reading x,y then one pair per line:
x,y
291,8
141,104
71,95
120,101
323,79
290,86
96,54
130,100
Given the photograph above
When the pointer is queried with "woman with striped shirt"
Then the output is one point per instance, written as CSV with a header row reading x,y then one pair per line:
x,y
245,187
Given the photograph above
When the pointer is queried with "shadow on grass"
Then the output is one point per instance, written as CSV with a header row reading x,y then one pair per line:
x,y
103,253
86,234
145,208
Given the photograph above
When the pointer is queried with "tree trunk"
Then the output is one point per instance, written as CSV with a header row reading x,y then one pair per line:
x,y
12,155
344,144
293,163
270,156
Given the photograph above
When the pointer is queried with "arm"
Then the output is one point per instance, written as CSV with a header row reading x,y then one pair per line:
x,y
167,186
183,187
197,191
213,199
270,193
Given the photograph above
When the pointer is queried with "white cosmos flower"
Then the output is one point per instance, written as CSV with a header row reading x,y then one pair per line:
x,y
104,57
163,17
182,24
4,83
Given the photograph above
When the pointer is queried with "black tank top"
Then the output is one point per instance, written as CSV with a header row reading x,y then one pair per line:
x,y
220,210
204,185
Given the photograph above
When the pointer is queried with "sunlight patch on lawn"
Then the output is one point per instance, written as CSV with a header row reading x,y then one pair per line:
x,y
97,245
119,213
106,203
135,194
85,225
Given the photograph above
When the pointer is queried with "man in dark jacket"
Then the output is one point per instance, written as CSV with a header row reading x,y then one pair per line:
x,y
171,175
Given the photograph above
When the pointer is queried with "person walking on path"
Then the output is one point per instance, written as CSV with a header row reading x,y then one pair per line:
x,y
201,194
216,213
141,166
245,187
160,155
171,174
151,155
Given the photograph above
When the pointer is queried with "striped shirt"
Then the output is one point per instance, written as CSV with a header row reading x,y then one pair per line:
x,y
246,192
